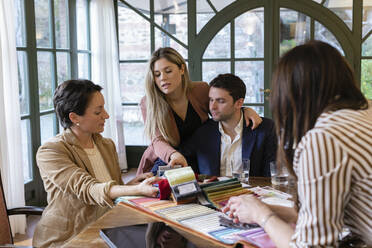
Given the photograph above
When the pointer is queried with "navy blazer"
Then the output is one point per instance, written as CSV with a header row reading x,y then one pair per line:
x,y
203,149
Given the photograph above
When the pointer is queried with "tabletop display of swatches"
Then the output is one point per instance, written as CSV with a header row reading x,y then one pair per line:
x,y
218,193
200,219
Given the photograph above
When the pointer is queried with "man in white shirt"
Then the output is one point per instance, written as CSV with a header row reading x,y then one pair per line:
x,y
219,145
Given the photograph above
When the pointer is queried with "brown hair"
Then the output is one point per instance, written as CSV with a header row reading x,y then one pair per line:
x,y
310,79
231,83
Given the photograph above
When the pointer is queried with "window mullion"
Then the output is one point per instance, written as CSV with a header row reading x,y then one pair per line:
x,y
34,102
73,38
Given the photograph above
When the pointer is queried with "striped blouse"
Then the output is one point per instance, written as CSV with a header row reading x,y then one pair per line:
x,y
333,162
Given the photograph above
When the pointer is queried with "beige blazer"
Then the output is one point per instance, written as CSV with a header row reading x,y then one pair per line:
x,y
159,147
75,196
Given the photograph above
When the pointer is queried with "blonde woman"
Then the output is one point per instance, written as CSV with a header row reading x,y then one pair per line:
x,y
173,108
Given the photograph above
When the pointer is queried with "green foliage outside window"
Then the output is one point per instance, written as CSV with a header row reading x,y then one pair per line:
x,y
366,79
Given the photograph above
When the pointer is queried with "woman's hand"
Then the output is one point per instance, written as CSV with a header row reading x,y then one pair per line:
x,y
146,188
140,178
250,114
247,209
177,158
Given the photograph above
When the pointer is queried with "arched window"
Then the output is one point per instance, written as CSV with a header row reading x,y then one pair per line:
x,y
244,37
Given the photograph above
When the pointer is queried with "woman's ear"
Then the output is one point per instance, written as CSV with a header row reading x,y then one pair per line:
x,y
74,118
183,69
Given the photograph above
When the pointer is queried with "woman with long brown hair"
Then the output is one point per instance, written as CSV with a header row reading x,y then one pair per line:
x,y
324,125
173,108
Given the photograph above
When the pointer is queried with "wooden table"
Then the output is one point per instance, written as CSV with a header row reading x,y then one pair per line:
x,y
125,215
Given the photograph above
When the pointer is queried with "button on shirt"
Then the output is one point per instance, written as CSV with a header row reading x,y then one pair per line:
x,y
231,150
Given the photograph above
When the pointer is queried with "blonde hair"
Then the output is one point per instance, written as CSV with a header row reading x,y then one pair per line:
x,y
157,114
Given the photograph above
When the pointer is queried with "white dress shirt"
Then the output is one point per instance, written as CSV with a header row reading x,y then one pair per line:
x,y
231,150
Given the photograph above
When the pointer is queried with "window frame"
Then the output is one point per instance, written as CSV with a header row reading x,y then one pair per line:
x,y
350,40
34,190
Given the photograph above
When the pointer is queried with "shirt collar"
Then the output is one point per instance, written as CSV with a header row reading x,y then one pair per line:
x,y
238,129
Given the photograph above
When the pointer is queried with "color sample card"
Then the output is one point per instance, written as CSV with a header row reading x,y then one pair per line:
x,y
181,212
218,193
205,223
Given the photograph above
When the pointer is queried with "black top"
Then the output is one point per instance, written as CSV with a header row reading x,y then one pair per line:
x,y
188,127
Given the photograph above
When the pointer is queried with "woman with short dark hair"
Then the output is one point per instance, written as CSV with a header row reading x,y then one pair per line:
x,y
324,125
79,167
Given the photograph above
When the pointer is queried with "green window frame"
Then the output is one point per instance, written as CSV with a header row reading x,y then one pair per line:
x,y
348,36
37,93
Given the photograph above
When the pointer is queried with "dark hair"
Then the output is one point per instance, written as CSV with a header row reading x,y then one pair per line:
x,y
310,79
233,84
73,96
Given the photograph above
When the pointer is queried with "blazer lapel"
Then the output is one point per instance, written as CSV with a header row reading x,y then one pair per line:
x,y
248,142
71,138
214,149
217,152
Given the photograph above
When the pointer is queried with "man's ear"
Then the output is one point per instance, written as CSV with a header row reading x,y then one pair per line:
x,y
75,118
239,103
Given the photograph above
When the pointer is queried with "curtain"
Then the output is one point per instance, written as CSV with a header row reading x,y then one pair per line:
x,y
105,70
10,142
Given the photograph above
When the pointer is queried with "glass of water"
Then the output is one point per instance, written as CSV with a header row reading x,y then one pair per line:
x,y
243,173
279,174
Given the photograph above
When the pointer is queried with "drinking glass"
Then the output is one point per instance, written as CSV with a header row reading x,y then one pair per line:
x,y
279,174
243,173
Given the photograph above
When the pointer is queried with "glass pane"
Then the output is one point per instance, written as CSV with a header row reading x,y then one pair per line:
x,y
132,81
294,29
172,16
219,47
163,40
61,23
170,7
249,34
212,69
20,23
259,109
26,150
252,73
42,20
367,17
318,1
23,82
134,35
367,47
133,126
323,34
143,6
366,80
46,127
83,65
82,24
44,62
344,10
204,13
63,68
218,4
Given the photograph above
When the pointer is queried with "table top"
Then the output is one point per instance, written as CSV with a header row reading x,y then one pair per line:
x,y
125,215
